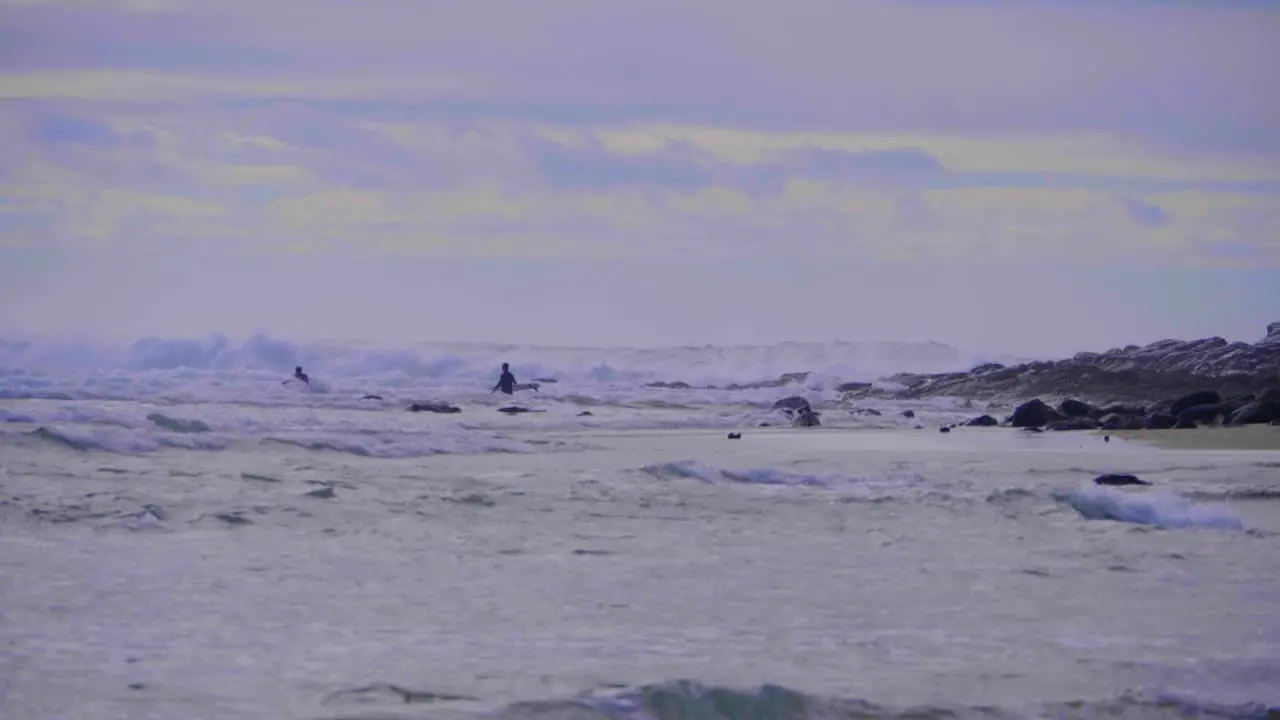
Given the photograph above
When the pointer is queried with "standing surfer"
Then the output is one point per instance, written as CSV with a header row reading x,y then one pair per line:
x,y
506,383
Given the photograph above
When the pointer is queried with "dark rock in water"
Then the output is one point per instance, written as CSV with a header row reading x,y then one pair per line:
x,y
1076,423
434,407
1202,397
371,397
515,410
735,436
944,429
986,368
1076,408
1255,413
853,387
1270,395
1242,400
324,493
1033,413
983,421
867,411
795,402
1159,421
1196,414
585,413
908,413
1033,429
1119,479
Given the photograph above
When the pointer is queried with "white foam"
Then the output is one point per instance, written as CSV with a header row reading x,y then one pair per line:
x,y
1157,508
216,368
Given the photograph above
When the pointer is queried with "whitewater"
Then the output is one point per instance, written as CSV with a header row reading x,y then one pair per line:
x,y
184,532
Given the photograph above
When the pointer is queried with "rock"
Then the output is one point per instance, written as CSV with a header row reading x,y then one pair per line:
x,y
371,397
1033,429
324,493
1269,395
908,413
1118,479
1202,397
806,417
1159,421
983,421
794,403
1196,414
1167,368
1076,408
586,413
515,410
1114,421
1033,413
1255,413
677,385
944,429
1124,410
1083,422
735,436
853,387
866,411
434,407
233,518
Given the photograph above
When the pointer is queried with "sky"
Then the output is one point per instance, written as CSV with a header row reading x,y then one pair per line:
x,y
1027,176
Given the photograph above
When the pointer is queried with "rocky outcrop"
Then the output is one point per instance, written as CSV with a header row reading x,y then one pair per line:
x,y
1168,368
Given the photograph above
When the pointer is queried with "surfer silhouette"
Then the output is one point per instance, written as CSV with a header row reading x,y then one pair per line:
x,y
299,375
506,383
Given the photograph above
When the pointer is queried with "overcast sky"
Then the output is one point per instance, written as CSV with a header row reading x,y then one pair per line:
x,y
1029,176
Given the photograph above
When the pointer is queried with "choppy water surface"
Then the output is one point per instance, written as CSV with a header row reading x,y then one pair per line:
x,y
180,558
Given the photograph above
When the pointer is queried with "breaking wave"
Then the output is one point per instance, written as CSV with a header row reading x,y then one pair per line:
x,y
1155,508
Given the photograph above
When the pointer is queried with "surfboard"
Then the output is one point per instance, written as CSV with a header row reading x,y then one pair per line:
x,y
524,386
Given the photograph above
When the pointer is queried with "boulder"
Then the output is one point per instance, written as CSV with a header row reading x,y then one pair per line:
x,y
1270,395
983,421
1159,421
1255,413
1124,410
1202,397
853,387
1197,414
1083,422
1033,413
794,403
908,413
1076,408
1116,421
806,417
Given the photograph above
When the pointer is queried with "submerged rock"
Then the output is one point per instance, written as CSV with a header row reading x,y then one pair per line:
x,y
324,493
983,421
1076,408
1200,398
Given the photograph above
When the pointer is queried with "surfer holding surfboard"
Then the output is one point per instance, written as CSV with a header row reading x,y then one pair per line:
x,y
507,383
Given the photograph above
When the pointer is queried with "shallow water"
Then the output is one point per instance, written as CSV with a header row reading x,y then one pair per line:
x,y
540,557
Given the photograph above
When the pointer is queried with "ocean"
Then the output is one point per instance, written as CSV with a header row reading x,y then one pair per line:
x,y
183,534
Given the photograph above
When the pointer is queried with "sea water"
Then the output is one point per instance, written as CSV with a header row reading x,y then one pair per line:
x,y
195,539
